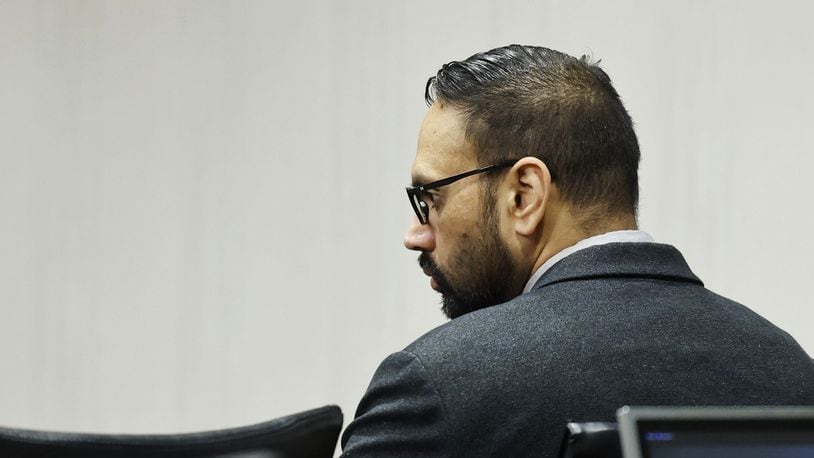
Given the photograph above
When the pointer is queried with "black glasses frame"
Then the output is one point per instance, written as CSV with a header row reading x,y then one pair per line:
x,y
422,210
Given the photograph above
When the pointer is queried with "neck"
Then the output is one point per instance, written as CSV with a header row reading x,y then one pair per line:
x,y
567,232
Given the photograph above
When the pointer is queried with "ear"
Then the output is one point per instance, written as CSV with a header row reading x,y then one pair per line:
x,y
530,192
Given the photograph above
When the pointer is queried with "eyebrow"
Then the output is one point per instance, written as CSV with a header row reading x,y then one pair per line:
x,y
420,179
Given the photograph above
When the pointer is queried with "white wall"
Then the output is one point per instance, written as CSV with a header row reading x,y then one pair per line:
x,y
202,202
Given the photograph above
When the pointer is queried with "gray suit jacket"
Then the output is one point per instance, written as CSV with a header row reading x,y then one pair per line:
x,y
607,326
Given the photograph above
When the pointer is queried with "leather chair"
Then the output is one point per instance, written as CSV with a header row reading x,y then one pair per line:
x,y
312,433
591,440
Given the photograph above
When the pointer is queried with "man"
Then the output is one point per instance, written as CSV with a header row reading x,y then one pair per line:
x,y
525,186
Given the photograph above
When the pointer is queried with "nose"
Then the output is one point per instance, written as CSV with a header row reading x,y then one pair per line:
x,y
419,237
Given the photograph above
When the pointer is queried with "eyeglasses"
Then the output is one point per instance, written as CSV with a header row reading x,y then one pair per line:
x,y
416,194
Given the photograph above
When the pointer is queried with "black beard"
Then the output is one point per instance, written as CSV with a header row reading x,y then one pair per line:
x,y
481,274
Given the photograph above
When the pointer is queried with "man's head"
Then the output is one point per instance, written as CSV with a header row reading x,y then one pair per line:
x,y
567,161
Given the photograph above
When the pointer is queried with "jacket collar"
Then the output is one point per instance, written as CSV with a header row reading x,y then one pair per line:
x,y
643,260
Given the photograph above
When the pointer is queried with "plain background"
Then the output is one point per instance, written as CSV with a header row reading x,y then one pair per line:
x,y
202,202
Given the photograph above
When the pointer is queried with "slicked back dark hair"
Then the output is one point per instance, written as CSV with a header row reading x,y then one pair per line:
x,y
532,101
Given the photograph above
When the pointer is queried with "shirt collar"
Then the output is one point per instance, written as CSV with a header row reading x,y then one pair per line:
x,y
626,236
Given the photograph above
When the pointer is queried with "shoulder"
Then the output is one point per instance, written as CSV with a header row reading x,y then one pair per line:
x,y
437,393
502,342
482,327
400,413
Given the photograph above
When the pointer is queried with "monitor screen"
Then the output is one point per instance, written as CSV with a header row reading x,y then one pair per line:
x,y
727,439
719,432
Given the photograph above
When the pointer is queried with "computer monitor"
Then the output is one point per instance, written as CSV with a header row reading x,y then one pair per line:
x,y
716,432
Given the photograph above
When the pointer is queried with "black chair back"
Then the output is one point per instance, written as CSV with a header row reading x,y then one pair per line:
x,y
312,433
591,440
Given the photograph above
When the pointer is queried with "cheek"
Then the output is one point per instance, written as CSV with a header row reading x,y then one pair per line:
x,y
457,224
452,242
460,215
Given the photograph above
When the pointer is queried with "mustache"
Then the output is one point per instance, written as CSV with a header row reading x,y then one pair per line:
x,y
449,299
427,264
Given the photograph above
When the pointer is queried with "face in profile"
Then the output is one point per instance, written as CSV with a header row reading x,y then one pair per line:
x,y
477,275
461,247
